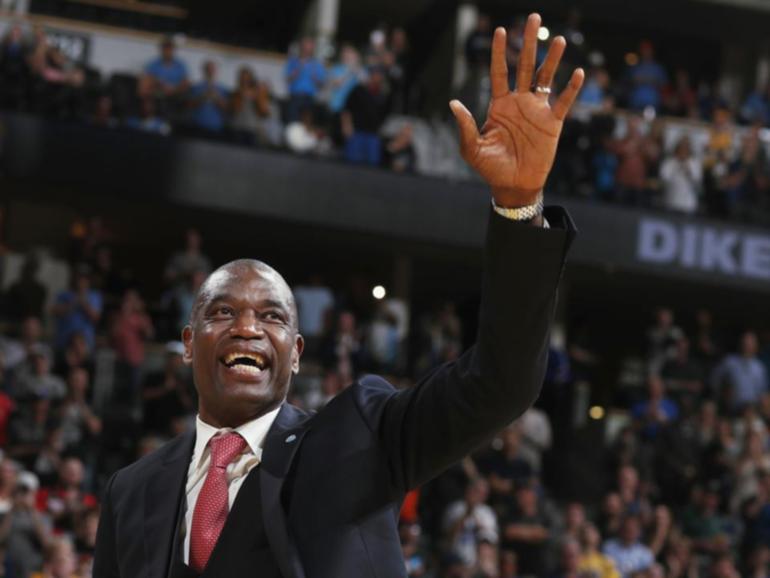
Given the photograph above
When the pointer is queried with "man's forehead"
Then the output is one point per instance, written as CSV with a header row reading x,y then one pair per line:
x,y
245,281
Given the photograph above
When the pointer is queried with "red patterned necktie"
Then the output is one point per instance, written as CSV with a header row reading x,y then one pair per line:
x,y
212,506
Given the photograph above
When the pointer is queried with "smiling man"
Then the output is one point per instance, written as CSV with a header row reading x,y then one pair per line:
x,y
261,488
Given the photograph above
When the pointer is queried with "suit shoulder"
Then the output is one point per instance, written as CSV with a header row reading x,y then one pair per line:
x,y
145,467
369,395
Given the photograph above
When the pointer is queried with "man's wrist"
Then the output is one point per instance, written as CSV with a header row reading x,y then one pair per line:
x,y
530,213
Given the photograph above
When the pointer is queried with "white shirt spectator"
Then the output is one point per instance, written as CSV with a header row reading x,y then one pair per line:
x,y
479,526
536,436
681,181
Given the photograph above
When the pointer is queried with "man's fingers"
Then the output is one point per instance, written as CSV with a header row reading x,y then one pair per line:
x,y
567,97
469,132
528,56
498,69
547,70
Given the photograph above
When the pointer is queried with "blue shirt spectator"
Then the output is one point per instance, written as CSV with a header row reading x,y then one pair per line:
x,y
628,553
77,311
172,72
305,74
743,373
166,76
209,100
655,411
647,80
343,78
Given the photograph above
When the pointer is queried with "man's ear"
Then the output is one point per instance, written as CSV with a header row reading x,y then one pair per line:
x,y
299,346
187,334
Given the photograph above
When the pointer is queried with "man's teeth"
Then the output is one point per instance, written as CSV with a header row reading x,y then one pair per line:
x,y
250,369
233,359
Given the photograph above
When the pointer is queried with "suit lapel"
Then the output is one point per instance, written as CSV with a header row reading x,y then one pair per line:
x,y
163,504
281,445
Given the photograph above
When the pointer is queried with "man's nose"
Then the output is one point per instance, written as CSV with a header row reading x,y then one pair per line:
x,y
247,325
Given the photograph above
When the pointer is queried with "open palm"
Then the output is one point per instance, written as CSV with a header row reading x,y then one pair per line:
x,y
515,149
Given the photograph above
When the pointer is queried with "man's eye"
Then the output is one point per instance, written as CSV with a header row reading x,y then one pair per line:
x,y
273,316
223,310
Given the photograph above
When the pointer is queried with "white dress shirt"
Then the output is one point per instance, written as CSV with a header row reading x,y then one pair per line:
x,y
254,432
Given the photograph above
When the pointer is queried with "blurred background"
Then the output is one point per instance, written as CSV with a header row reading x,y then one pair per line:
x,y
143,143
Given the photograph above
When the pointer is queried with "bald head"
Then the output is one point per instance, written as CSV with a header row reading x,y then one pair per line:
x,y
228,272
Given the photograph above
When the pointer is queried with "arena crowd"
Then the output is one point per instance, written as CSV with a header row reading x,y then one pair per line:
x,y
360,107
91,378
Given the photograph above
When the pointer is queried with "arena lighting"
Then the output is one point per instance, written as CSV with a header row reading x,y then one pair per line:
x,y
543,33
378,292
596,412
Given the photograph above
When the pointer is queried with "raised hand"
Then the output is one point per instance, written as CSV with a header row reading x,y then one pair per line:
x,y
515,150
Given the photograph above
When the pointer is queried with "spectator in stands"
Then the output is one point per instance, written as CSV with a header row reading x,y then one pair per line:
x,y
9,474
131,327
342,348
305,76
85,540
164,78
167,394
103,115
13,68
680,99
315,302
631,175
647,79
79,424
525,529
742,374
595,92
251,116
14,352
507,468
179,301
208,101
469,522
51,65
25,532
27,296
398,150
478,50
702,523
77,354
66,500
683,374
569,560
36,380
148,120
681,175
628,553
751,463
656,411
60,560
592,562
306,137
343,78
77,310
183,264
363,116
536,436
747,182
574,520
397,70
662,339
756,107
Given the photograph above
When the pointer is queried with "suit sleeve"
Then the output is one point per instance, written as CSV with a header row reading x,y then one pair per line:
x,y
460,405
105,555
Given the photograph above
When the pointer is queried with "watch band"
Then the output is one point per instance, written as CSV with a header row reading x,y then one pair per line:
x,y
525,213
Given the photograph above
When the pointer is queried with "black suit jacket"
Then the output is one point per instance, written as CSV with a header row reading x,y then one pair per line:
x,y
332,482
